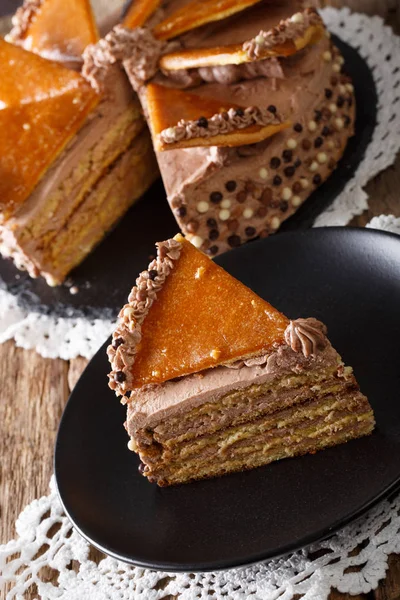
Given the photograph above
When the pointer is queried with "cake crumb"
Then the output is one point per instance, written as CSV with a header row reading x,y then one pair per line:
x,y
200,272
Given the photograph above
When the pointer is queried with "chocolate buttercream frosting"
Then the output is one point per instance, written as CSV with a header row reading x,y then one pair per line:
x,y
221,123
22,19
137,48
127,334
307,336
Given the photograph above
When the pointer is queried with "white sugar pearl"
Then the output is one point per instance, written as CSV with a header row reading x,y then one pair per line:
x,y
332,107
226,203
342,89
224,214
26,126
350,87
297,18
296,201
336,68
128,312
286,193
263,173
330,144
314,166
339,123
322,157
132,446
327,56
340,60
196,240
259,40
169,132
291,143
248,213
304,183
312,126
275,222
202,206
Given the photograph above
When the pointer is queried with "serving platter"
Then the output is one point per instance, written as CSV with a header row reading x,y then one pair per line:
x,y
349,279
105,277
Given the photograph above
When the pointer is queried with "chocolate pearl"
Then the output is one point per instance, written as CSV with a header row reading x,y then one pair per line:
x,y
181,211
272,109
215,197
287,156
241,197
297,187
153,274
234,241
326,131
202,122
297,164
120,377
211,223
347,121
289,171
275,162
230,186
250,231
262,211
317,179
192,226
213,234
328,93
298,127
340,101
266,196
239,112
306,144
212,250
318,142
117,342
317,115
284,205
277,180
141,468
264,233
249,187
233,224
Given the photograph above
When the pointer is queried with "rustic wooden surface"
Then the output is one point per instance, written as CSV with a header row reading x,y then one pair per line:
x,y
34,390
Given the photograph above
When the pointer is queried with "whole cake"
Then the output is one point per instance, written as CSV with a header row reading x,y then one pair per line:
x,y
217,380
247,104
72,158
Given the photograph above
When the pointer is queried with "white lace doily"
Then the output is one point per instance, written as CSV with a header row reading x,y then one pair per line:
x,y
67,338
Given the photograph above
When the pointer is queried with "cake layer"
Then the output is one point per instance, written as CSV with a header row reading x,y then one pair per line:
x,y
297,430
36,237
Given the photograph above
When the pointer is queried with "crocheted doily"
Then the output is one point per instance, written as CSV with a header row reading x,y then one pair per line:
x,y
70,337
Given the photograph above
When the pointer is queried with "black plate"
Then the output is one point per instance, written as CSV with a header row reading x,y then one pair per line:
x,y
104,279
350,279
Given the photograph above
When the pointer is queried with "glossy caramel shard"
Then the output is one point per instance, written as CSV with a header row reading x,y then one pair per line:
x,y
234,54
139,12
42,106
58,27
197,13
202,317
166,107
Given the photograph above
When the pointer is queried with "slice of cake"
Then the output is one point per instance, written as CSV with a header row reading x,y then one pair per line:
x,y
73,158
217,380
260,116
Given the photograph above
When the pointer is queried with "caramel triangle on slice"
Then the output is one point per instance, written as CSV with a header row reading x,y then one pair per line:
x,y
197,13
168,108
56,28
139,12
235,54
201,317
42,106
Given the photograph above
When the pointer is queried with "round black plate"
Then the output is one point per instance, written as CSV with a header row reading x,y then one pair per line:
x,y
105,277
348,278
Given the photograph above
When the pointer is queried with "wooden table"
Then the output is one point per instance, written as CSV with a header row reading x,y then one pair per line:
x,y
34,391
